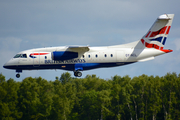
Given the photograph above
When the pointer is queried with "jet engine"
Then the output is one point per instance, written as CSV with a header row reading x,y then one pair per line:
x,y
63,55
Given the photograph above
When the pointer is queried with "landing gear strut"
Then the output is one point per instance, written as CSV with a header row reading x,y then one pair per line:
x,y
18,71
77,74
18,75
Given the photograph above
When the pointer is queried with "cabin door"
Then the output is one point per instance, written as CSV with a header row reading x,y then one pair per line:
x,y
36,59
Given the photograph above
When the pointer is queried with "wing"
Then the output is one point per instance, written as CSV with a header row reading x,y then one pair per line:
x,y
78,48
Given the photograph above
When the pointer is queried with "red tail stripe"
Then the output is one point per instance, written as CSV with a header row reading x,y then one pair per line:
x,y
148,34
161,31
142,41
148,45
167,32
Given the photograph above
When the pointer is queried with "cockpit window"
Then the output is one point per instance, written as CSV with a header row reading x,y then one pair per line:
x,y
24,56
20,56
17,56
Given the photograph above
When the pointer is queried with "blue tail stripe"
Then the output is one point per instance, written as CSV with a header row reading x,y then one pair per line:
x,y
159,39
164,40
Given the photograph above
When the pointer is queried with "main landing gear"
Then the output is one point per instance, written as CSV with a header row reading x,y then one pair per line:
x,y
77,74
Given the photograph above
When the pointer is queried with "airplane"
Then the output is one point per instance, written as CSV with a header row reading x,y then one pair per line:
x,y
80,58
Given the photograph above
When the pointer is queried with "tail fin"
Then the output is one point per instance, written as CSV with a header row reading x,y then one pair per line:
x,y
157,34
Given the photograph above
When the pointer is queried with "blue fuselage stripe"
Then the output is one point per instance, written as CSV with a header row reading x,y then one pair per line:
x,y
71,67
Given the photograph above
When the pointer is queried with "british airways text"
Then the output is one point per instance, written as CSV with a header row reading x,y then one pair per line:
x,y
65,61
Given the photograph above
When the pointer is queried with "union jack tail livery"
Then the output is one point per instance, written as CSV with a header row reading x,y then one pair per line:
x,y
157,35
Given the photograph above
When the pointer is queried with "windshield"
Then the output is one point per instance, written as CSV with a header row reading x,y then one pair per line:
x,y
20,56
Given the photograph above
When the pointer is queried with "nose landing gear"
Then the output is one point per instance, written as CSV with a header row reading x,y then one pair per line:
x,y
18,71
18,75
77,74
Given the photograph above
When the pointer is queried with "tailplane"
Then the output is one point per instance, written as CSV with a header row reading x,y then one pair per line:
x,y
157,34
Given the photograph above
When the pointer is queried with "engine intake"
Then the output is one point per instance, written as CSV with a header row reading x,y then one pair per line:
x,y
63,55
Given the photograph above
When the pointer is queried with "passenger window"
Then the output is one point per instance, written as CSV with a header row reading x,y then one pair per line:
x,y
105,55
96,55
45,57
111,55
83,56
89,56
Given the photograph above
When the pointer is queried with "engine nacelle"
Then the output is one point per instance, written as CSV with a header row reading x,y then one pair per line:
x,y
63,55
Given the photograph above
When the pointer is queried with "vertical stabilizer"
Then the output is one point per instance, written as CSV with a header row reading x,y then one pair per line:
x,y
157,34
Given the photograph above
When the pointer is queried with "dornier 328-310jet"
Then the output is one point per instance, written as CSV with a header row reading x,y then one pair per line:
x,y
80,58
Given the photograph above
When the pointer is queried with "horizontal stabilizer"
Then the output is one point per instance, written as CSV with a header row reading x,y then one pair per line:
x,y
146,59
164,17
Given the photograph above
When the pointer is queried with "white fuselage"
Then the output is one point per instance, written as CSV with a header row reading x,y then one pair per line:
x,y
96,57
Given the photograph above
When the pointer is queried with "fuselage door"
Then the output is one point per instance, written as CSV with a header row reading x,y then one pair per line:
x,y
22,59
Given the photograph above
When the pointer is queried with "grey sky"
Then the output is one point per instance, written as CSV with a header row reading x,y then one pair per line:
x,y
33,24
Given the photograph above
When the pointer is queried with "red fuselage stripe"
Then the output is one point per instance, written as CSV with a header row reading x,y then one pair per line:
x,y
39,53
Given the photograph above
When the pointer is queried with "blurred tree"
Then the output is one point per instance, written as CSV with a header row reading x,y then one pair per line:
x,y
46,91
65,77
89,106
104,101
9,99
29,101
63,99
142,97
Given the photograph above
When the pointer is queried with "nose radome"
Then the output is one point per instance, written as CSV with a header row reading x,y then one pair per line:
x,y
6,65
9,64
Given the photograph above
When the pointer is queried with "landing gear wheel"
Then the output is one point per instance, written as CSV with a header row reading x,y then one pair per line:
x,y
77,74
17,75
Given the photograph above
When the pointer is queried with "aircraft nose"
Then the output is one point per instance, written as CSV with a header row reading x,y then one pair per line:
x,y
6,65
10,64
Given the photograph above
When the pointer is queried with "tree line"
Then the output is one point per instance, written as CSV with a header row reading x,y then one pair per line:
x,y
91,98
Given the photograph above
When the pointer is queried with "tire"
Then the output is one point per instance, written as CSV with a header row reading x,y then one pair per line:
x,y
75,74
79,74
17,75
